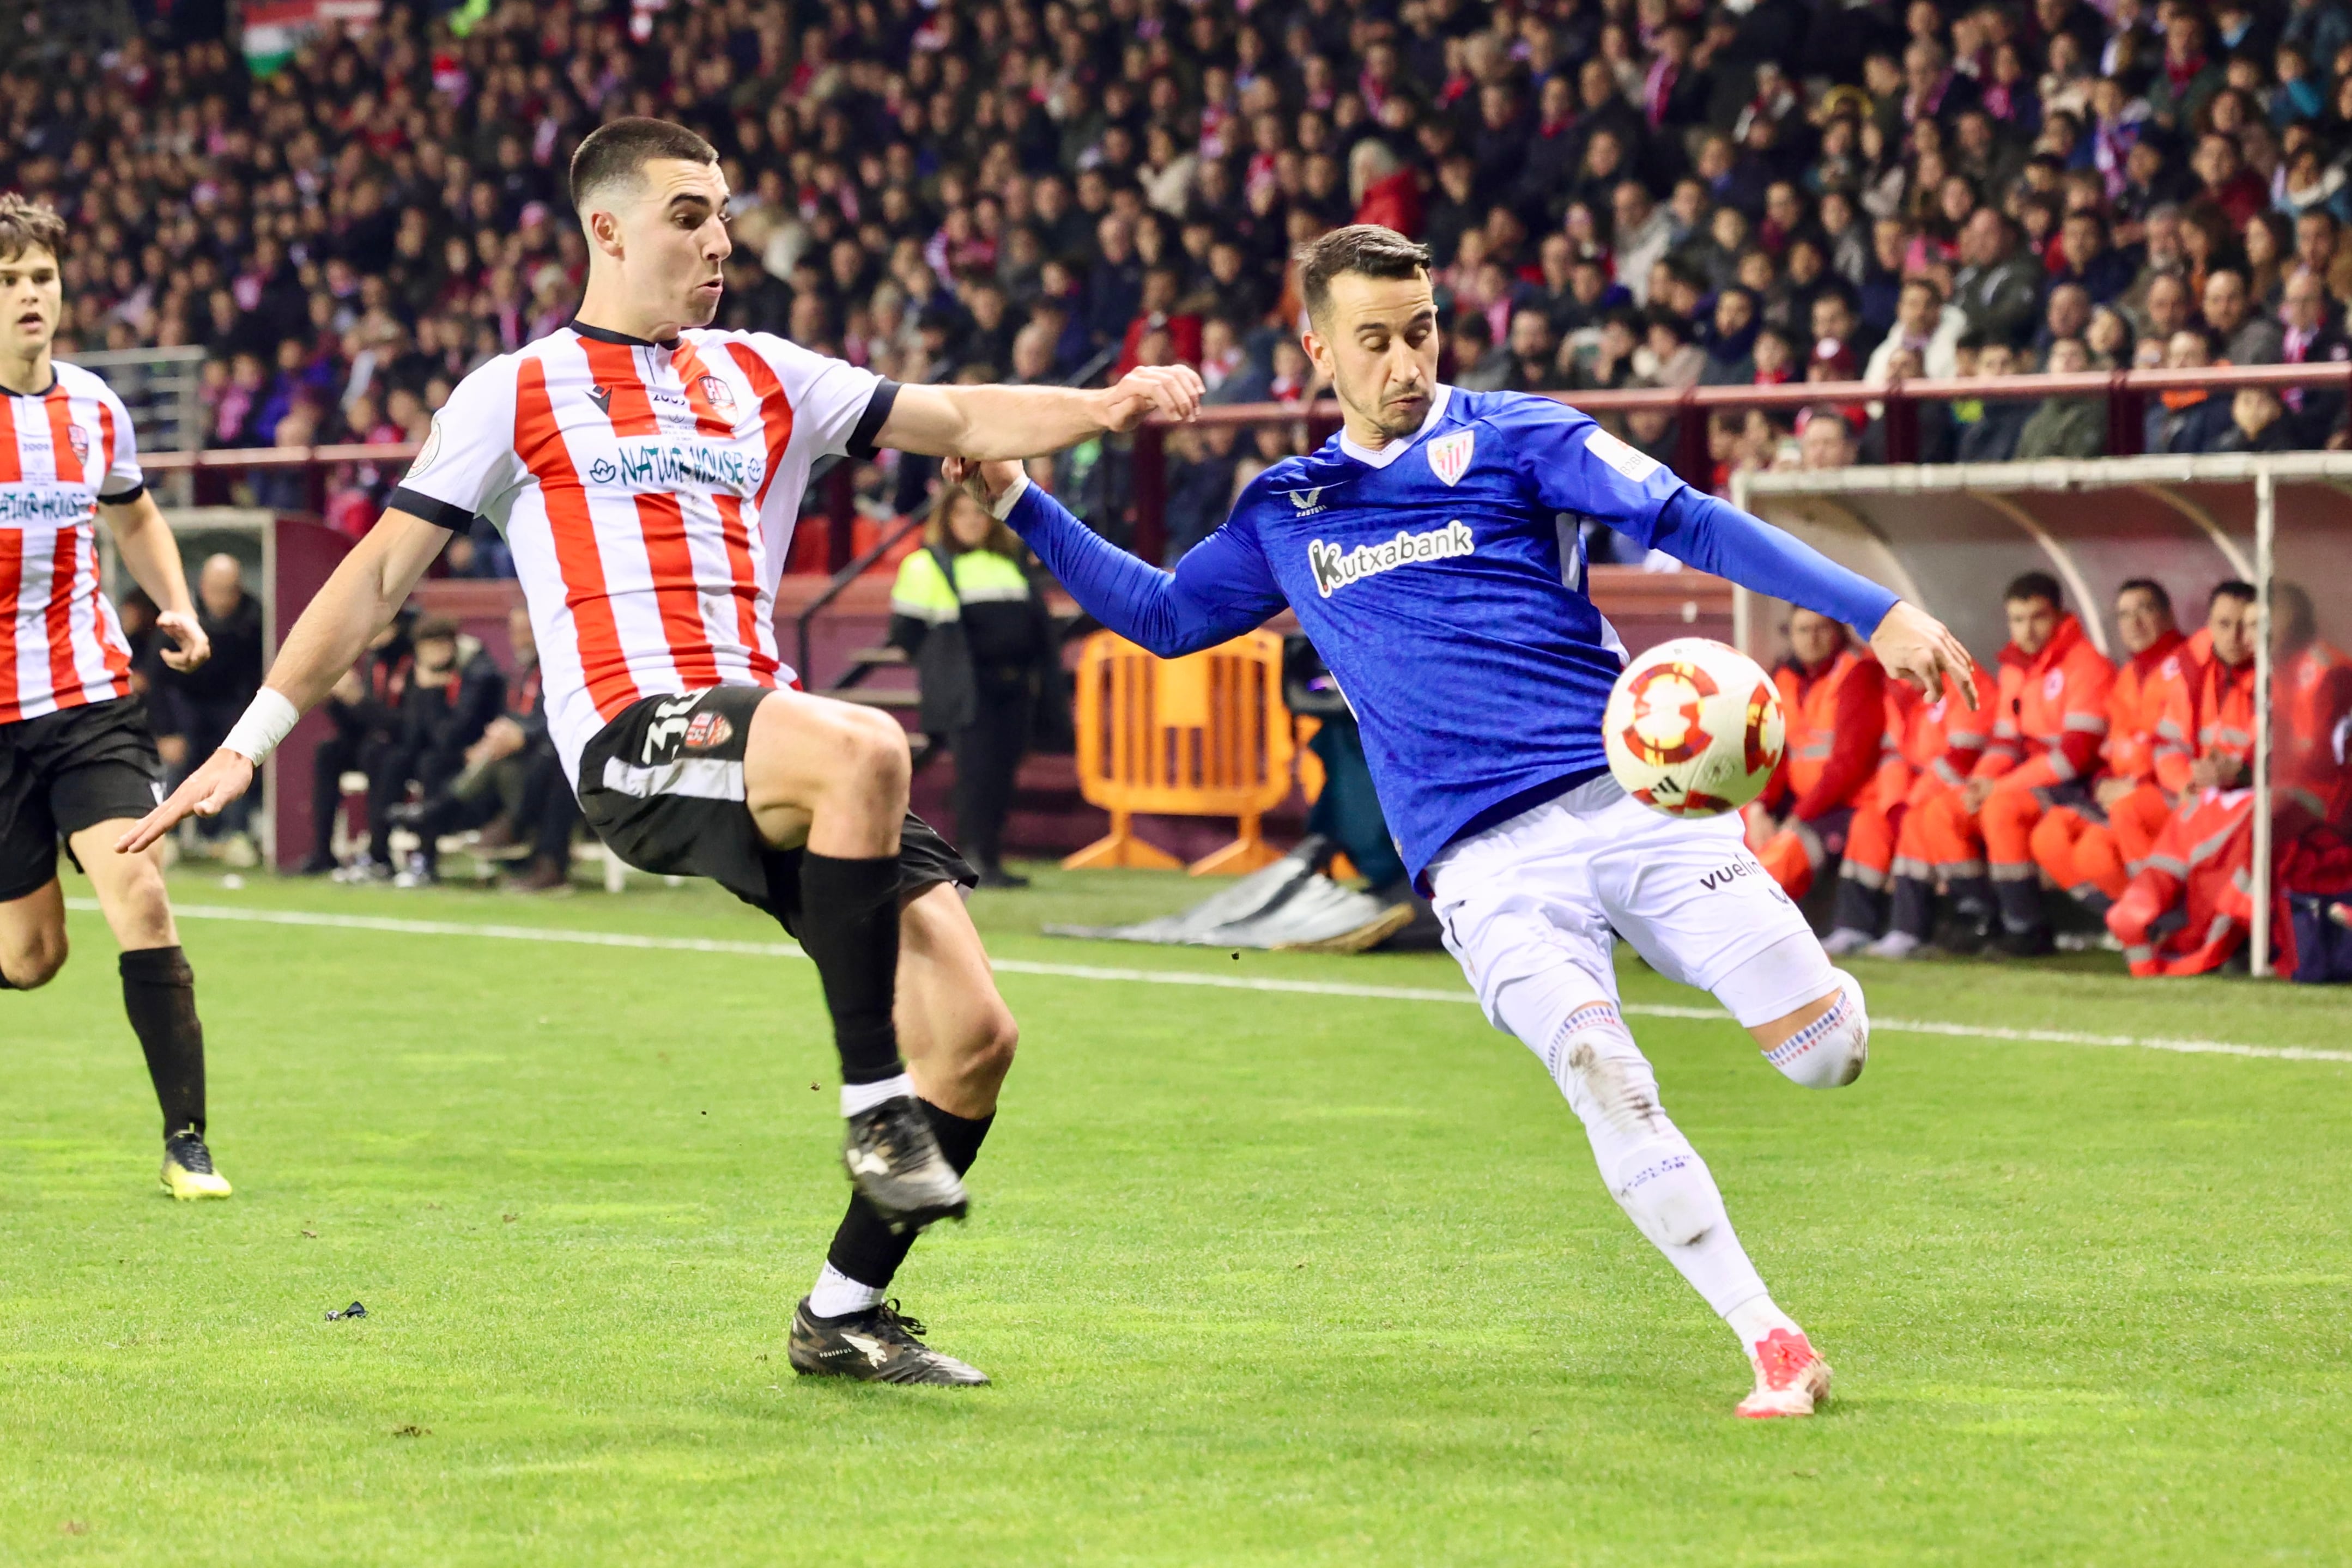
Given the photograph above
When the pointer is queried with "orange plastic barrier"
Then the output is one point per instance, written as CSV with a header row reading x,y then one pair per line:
x,y
1202,735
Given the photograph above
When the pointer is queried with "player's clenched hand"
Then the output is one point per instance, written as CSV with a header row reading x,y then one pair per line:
x,y
1916,647
224,777
189,645
986,481
1169,391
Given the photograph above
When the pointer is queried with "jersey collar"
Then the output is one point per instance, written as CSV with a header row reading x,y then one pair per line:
x,y
606,335
1396,449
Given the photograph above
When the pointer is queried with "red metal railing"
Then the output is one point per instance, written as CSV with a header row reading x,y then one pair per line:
x,y
2127,394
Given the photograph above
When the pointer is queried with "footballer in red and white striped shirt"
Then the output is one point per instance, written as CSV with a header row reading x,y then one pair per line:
x,y
646,473
76,761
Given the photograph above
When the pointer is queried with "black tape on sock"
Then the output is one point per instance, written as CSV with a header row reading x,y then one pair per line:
x,y
864,1246
158,994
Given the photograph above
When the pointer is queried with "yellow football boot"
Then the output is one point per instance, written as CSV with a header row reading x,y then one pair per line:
x,y
188,1171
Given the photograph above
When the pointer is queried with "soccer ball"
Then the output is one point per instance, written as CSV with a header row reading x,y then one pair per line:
x,y
1694,728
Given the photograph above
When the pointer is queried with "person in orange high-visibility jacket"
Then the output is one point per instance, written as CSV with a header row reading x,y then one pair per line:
x,y
2048,726
2311,692
2177,913
2190,906
2091,850
1927,748
1834,702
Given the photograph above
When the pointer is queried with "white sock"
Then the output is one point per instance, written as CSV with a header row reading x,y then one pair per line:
x,y
1754,1318
857,1097
837,1293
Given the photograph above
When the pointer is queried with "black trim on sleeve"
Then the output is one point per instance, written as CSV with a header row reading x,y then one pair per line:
x,y
439,513
127,496
869,423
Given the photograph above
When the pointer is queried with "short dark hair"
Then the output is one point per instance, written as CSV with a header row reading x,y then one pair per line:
x,y
1363,250
2034,585
617,150
27,224
2150,586
2235,587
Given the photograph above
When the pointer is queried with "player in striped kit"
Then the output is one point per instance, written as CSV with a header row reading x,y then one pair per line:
x,y
76,761
647,475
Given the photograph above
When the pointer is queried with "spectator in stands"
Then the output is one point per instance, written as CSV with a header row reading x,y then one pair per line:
x,y
2064,426
2246,339
1991,435
1997,285
2186,419
969,613
2308,337
2258,423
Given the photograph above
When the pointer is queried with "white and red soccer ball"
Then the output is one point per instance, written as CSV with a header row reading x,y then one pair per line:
x,y
1694,728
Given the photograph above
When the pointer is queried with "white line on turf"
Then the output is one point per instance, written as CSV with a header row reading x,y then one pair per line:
x,y
1186,978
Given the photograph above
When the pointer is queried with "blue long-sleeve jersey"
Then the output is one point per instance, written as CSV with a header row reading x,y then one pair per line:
x,y
1442,579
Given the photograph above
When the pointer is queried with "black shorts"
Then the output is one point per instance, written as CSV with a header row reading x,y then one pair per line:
x,y
69,770
662,785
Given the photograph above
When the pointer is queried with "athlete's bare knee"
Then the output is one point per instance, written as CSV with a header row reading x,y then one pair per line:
x,y
33,959
872,751
989,1046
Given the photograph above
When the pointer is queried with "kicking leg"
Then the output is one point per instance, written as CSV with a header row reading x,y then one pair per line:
x,y
158,994
1655,1175
958,1037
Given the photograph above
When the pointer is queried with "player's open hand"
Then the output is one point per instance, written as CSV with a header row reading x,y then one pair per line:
x,y
188,646
224,775
1916,647
986,481
1166,392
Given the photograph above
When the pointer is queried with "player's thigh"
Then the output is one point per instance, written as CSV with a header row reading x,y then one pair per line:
x,y
130,888
1689,895
954,1029
805,752
1519,913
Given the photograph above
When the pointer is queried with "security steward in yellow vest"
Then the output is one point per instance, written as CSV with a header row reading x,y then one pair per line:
x,y
967,612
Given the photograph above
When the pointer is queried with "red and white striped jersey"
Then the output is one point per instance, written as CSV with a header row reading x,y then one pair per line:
x,y
648,493
61,453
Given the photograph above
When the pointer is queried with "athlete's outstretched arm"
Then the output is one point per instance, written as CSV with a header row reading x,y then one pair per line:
x,y
1718,537
1219,590
366,591
988,423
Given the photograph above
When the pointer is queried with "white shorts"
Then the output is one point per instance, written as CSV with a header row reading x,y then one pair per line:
x,y
1544,889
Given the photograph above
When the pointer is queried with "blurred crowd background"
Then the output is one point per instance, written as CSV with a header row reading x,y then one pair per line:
x,y
1617,192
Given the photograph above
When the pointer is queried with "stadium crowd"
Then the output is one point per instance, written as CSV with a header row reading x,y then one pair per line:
x,y
1618,193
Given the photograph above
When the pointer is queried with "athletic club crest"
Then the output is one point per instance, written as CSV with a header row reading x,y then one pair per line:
x,y
78,439
1449,456
708,731
714,392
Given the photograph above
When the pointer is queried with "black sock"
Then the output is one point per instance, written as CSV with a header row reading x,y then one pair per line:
x,y
159,992
864,1248
849,928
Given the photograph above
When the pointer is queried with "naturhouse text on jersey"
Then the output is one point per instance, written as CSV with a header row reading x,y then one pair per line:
x,y
676,462
1335,568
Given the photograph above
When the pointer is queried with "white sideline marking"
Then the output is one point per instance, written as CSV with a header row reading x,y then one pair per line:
x,y
1182,978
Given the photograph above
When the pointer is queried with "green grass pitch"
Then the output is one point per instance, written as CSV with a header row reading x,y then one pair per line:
x,y
1263,1277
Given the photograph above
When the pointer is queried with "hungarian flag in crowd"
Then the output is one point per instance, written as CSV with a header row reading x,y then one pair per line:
x,y
272,30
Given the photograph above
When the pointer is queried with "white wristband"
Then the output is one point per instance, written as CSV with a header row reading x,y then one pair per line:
x,y
1002,506
268,720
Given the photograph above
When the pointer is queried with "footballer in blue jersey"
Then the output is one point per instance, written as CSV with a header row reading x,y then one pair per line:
x,y
1431,552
